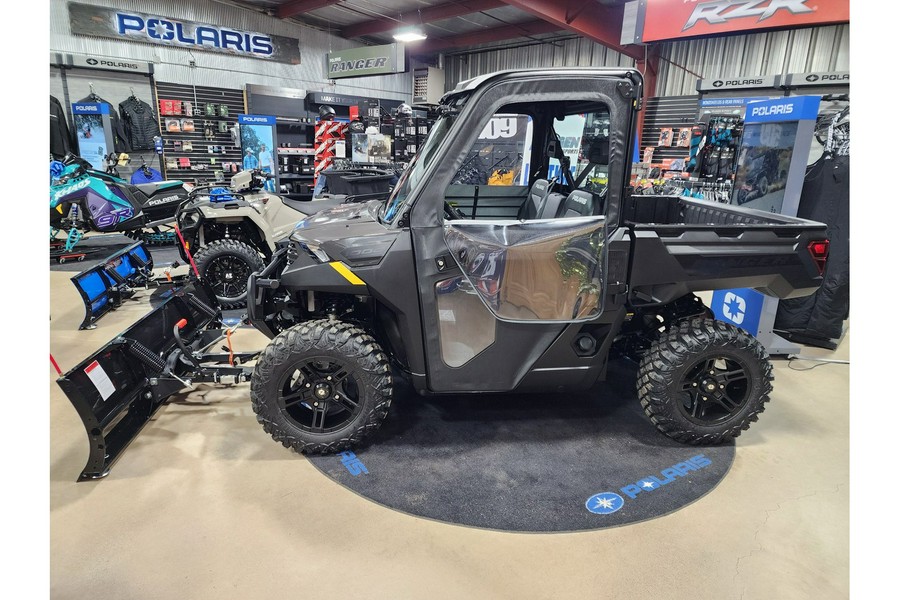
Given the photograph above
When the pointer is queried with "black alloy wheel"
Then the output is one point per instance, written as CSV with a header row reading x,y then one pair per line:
x,y
228,275
713,390
320,394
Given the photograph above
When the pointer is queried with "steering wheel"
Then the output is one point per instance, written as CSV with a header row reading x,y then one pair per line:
x,y
452,212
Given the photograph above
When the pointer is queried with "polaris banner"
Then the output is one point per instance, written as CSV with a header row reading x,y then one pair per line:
x,y
737,83
368,60
674,19
796,108
820,78
256,120
124,24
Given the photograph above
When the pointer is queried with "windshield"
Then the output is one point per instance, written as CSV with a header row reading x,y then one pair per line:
x,y
396,203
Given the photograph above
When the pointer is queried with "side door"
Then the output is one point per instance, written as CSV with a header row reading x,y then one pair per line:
x,y
495,295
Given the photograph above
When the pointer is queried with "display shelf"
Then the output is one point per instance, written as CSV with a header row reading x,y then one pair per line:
x,y
229,160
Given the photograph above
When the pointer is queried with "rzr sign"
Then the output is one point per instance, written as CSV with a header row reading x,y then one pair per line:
x,y
671,19
722,11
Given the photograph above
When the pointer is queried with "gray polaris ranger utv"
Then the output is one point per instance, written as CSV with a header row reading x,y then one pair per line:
x,y
468,288
522,288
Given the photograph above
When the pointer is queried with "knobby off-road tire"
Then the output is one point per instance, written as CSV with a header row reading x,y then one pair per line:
x,y
704,381
328,355
227,265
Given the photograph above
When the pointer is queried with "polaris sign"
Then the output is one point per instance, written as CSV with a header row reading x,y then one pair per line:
x,y
256,120
737,83
821,78
794,108
153,29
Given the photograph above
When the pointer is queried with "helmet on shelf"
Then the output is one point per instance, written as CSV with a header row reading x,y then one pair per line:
x,y
404,110
326,112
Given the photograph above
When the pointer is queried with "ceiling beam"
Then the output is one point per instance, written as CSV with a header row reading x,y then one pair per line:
x,y
416,17
494,34
601,23
297,7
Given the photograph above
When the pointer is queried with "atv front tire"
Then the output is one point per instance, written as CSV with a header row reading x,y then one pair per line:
x,y
321,387
704,381
227,265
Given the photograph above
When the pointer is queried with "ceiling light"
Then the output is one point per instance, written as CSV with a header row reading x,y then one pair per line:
x,y
410,35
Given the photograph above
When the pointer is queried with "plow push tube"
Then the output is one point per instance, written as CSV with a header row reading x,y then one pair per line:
x,y
120,387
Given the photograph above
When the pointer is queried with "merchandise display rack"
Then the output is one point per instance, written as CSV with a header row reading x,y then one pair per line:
x,y
199,97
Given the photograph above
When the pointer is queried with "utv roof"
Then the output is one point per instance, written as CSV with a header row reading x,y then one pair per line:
x,y
470,84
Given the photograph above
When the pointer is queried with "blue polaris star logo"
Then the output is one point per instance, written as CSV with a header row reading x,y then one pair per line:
x,y
604,503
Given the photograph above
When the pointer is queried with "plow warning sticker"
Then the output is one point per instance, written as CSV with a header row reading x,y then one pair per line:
x,y
100,379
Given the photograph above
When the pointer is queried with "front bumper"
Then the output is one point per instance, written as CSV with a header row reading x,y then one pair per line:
x,y
261,287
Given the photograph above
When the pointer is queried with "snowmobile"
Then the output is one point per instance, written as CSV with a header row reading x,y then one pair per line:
x,y
84,199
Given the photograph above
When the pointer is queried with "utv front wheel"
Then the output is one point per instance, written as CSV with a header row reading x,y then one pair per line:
x,y
321,387
227,265
704,381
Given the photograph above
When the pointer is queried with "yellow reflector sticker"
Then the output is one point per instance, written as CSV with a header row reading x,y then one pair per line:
x,y
347,273
59,208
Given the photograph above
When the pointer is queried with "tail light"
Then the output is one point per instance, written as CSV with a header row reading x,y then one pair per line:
x,y
818,250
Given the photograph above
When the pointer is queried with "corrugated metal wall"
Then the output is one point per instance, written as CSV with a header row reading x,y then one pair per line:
x,y
565,53
772,53
796,51
219,70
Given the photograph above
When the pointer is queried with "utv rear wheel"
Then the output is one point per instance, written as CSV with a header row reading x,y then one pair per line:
x,y
321,387
704,381
227,265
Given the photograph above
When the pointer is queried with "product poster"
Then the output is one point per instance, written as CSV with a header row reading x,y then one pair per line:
x,y
91,139
258,145
765,158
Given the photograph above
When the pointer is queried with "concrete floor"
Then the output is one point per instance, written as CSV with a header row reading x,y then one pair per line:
x,y
205,505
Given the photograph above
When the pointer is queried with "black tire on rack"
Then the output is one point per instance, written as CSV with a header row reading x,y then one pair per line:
x,y
226,265
704,381
321,387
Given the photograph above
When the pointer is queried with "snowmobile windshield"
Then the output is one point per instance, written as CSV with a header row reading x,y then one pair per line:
x,y
396,203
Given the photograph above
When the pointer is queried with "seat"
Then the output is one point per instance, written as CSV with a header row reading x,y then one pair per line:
x,y
149,189
578,203
534,199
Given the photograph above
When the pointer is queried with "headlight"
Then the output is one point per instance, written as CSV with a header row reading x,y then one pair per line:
x,y
315,251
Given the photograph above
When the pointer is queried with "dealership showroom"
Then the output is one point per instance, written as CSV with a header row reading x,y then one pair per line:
x,y
488,299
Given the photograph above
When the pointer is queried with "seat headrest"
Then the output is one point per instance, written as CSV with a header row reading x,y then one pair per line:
x,y
579,203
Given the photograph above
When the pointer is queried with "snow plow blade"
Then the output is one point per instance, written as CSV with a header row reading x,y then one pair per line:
x,y
106,285
120,387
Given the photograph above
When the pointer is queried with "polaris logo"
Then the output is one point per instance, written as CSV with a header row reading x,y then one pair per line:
x,y
170,31
777,109
255,120
112,64
83,108
828,77
734,82
165,200
718,12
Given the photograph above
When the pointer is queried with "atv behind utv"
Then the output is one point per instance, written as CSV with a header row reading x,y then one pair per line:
x,y
471,288
233,231
476,288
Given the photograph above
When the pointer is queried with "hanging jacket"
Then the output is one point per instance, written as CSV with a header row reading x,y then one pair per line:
x,y
60,139
119,139
140,123
145,175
